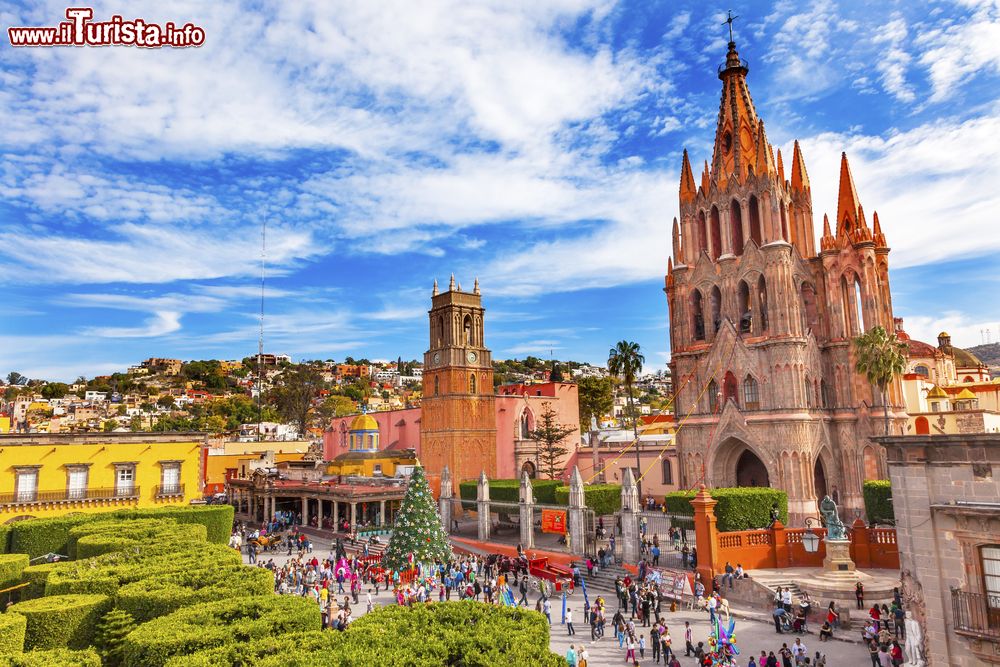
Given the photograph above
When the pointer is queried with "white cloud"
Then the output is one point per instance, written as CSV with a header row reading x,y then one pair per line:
x,y
893,65
160,324
965,330
957,50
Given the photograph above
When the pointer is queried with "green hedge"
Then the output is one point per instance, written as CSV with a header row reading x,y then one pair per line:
x,y
509,490
11,567
162,593
738,508
37,537
218,623
5,531
36,576
59,657
878,501
12,630
450,633
62,621
88,546
107,573
602,498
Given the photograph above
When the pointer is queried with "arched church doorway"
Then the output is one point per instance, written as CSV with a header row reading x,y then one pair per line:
x,y
751,471
819,479
529,468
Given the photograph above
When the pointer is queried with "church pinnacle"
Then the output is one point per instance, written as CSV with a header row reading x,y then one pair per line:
x,y
847,199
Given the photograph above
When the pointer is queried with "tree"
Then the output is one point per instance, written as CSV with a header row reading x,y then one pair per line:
x,y
293,395
334,406
880,358
625,362
596,395
166,401
556,374
55,390
15,378
216,424
110,636
417,529
548,436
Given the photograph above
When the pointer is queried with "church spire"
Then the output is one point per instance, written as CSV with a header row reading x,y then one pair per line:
x,y
877,234
688,190
828,242
765,162
735,151
781,168
451,284
847,199
434,292
800,179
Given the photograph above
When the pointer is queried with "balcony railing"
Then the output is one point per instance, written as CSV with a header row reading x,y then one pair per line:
x,y
169,490
976,614
66,495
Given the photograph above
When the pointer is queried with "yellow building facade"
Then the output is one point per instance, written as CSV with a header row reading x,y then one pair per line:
x,y
49,475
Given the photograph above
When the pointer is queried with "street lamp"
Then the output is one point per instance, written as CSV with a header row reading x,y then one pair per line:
x,y
810,540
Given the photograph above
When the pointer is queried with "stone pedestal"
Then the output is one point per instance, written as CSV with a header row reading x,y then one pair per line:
x,y
576,535
483,507
444,500
526,511
838,559
630,518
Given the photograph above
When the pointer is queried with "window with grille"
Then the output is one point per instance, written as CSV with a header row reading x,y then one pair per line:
x,y
124,480
170,479
990,556
27,486
77,483
751,396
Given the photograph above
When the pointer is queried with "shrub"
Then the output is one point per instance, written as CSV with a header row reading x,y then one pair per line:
x,y
602,498
161,593
58,657
11,567
451,633
36,576
509,490
88,546
62,621
37,537
5,531
738,508
106,573
12,629
211,624
110,636
217,519
878,501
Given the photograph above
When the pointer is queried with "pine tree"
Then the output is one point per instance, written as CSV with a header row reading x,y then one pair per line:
x,y
417,529
548,436
110,636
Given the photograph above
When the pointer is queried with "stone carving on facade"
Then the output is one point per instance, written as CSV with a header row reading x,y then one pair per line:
x,y
912,592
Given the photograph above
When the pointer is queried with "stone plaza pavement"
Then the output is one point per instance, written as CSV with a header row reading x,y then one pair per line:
x,y
752,635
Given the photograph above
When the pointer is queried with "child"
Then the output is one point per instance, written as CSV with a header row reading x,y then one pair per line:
x,y
642,646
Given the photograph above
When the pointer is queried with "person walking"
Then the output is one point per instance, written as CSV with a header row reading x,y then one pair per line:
x,y
582,657
859,594
547,609
569,622
571,656
688,639
786,655
654,643
799,650
630,649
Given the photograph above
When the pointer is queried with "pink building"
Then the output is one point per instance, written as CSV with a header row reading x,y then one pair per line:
x,y
517,409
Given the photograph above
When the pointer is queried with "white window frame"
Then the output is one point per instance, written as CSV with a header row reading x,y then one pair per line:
x,y
123,490
171,488
26,493
77,492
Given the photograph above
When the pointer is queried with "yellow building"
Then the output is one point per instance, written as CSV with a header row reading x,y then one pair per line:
x,y
364,458
49,475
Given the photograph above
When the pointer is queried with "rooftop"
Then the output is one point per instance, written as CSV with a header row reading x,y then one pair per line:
x,y
41,439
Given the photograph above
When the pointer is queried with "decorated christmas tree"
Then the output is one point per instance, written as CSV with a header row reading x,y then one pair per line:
x,y
417,535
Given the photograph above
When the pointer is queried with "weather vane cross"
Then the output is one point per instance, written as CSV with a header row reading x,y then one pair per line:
x,y
729,19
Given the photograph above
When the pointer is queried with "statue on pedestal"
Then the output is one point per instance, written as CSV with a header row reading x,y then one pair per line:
x,y
835,528
914,641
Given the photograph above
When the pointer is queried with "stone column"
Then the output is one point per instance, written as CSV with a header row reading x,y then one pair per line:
x,y
483,507
354,515
444,500
577,511
319,513
706,535
630,518
381,514
336,515
526,508
305,511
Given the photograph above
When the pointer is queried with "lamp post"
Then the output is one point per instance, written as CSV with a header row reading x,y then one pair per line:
x,y
810,540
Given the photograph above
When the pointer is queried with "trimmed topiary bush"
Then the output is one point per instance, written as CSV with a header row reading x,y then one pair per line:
x,y
106,573
738,508
110,636
162,593
12,630
878,501
37,537
450,633
602,498
509,491
177,535
58,657
36,576
217,519
11,567
62,621
5,531
218,623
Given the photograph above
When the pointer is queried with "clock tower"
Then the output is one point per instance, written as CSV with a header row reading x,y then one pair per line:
x,y
458,416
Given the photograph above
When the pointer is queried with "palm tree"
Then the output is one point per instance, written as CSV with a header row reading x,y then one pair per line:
x,y
880,358
625,362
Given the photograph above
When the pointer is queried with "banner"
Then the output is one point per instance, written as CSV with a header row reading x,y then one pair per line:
x,y
554,521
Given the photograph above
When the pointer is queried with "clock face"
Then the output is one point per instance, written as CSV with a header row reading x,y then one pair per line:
x,y
471,356
437,357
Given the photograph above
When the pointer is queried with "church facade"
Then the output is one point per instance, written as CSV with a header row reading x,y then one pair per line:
x,y
761,320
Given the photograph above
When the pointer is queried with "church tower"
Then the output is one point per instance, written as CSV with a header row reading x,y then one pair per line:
x,y
458,416
761,325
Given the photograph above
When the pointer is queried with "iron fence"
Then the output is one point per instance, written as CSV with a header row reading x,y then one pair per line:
x,y
63,495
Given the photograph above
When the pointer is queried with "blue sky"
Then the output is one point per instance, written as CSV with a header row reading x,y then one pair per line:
x,y
535,145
